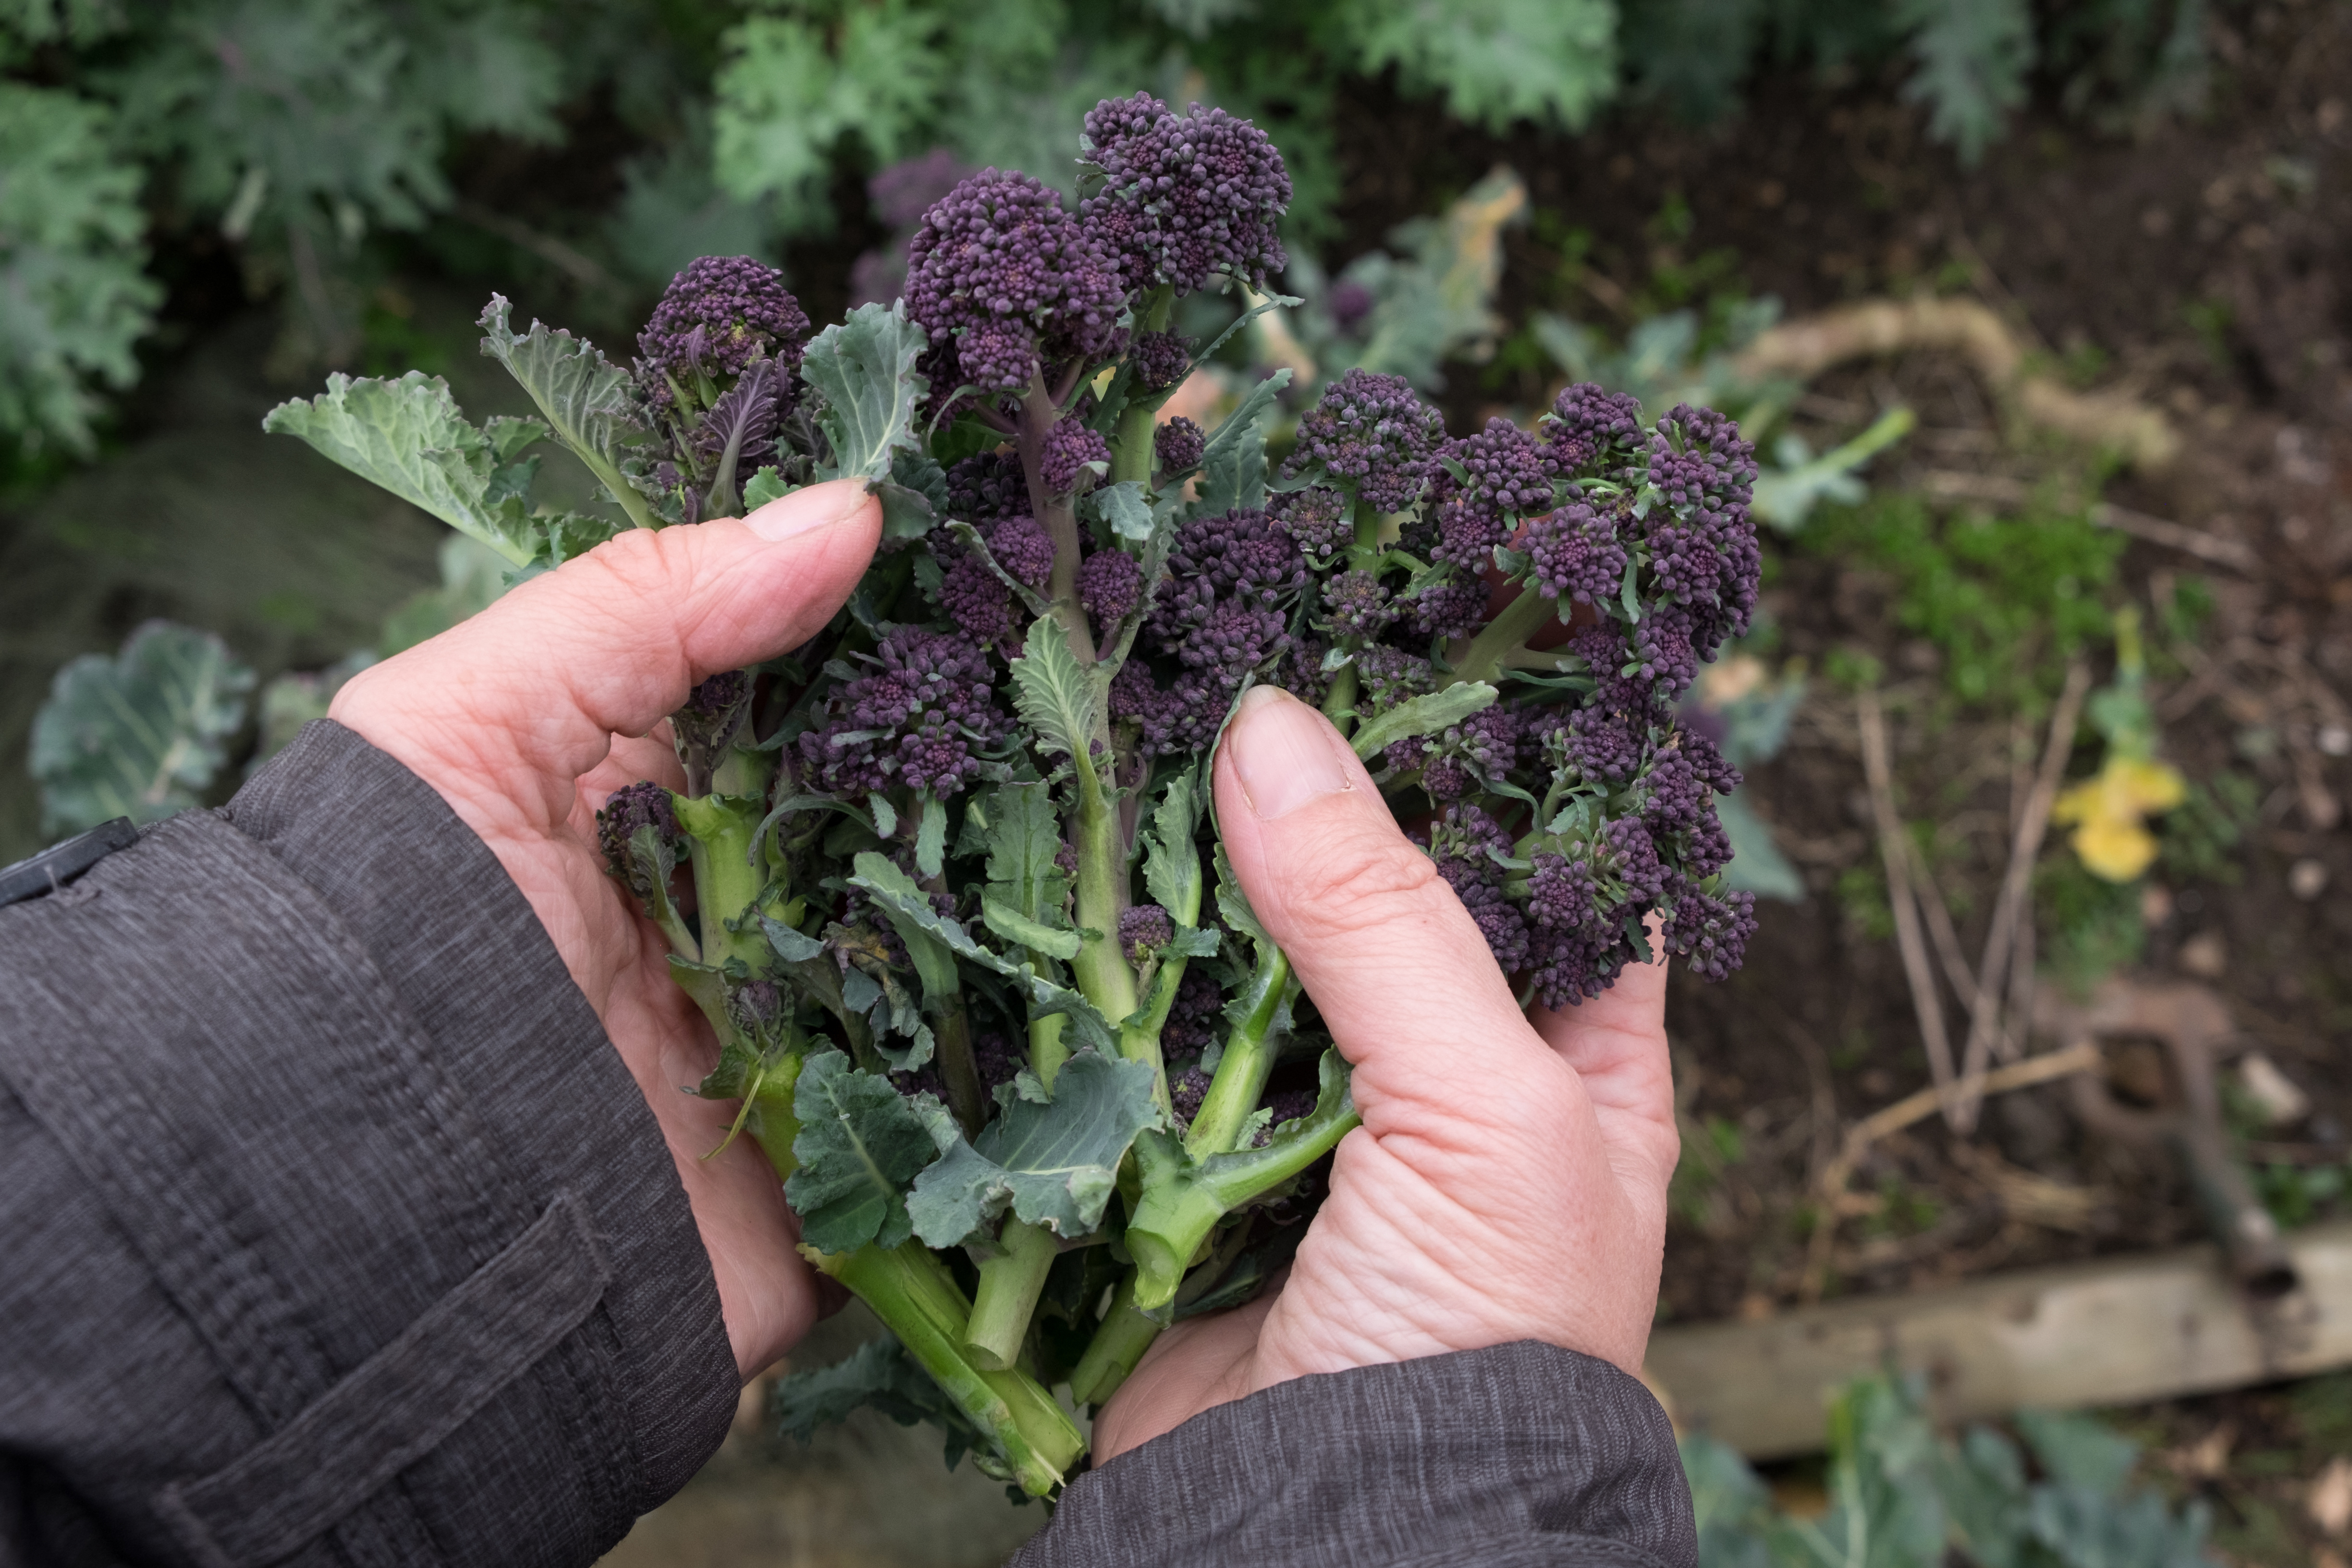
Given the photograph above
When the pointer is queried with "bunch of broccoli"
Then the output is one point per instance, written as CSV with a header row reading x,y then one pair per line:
x,y
1037,1081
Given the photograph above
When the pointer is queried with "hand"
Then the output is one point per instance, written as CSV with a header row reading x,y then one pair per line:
x,y
1509,1180
527,716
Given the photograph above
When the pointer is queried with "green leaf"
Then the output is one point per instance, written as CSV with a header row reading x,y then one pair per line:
x,y
1497,61
1053,694
880,1374
140,735
860,1146
409,436
765,486
1123,507
1758,865
931,837
1053,1163
862,370
1172,864
915,497
1423,715
1974,57
1024,838
1233,464
908,909
591,402
1233,905
1019,928
2079,1451
72,260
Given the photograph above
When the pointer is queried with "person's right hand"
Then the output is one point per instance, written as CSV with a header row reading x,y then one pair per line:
x,y
1509,1180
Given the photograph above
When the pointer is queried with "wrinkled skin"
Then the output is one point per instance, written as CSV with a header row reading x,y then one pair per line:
x,y
1509,1180
527,716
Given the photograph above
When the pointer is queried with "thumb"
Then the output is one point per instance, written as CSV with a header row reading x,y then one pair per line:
x,y
608,642
1395,963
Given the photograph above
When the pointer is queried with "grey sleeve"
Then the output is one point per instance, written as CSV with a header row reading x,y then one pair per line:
x,y
1524,1456
335,1230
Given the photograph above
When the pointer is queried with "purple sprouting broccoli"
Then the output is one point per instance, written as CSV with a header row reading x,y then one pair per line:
x,y
1709,932
1194,1018
1349,302
1503,478
984,487
1022,548
719,315
1589,426
1355,605
628,811
714,710
1463,844
1703,551
1449,607
1218,654
1317,519
1144,933
1110,582
1069,448
1573,553
1013,281
1136,698
1179,445
754,1005
923,721
1181,198
1188,1088
1389,676
1372,436
1481,749
977,600
1160,360
1664,648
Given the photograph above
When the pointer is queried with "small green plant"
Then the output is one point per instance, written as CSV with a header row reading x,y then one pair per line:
x,y
1903,1497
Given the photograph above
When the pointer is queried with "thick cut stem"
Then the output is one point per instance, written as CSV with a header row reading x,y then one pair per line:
x,y
1240,1079
1118,1344
1009,1288
911,1291
958,1072
773,1123
1482,656
1102,970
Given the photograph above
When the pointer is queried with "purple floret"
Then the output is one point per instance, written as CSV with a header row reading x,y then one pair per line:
x,y
1000,269
1587,424
977,599
1237,556
1191,1026
719,315
630,808
1703,551
1349,302
1110,582
1183,197
920,721
1177,445
1160,360
754,1005
1024,548
1450,609
1373,435
985,488
1709,933
1503,478
1573,553
1188,1088
1389,676
1316,518
1144,933
1355,605
1069,448
1463,844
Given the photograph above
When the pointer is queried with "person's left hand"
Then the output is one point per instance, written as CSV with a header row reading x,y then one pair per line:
x,y
523,718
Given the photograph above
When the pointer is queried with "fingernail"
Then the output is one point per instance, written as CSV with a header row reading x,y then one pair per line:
x,y
804,511
1285,753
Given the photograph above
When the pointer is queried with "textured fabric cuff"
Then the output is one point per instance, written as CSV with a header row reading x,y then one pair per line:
x,y
1522,1454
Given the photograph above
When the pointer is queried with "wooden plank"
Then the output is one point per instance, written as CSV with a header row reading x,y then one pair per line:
x,y
2119,1332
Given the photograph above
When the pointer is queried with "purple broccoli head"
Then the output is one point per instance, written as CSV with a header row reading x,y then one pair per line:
x,y
1160,360
1110,582
1372,436
1069,448
1179,445
999,269
1183,197
1316,518
1144,933
719,315
922,720
1587,425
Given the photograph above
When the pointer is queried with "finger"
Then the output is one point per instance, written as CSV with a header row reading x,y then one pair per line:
x,y
1617,1044
1395,963
538,684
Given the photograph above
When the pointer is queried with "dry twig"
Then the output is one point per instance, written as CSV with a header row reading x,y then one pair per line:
x,y
1894,850
2000,942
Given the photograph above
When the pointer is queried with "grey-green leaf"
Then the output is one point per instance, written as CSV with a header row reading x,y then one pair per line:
x,y
1123,507
1053,1163
1019,928
410,437
591,402
1233,905
1423,715
1053,694
1171,866
860,1146
862,370
140,735
1025,840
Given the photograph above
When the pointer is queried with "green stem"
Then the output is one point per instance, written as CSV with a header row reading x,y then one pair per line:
x,y
1010,1285
1046,1051
1058,514
911,1291
1340,702
959,1071
1102,970
1482,656
773,1123
1118,1344
728,882
1240,1080
1139,422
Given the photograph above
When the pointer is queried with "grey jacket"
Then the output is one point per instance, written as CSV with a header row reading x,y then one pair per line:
x,y
333,1232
